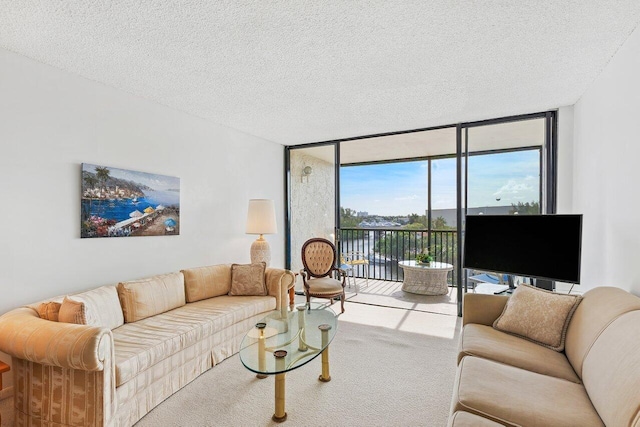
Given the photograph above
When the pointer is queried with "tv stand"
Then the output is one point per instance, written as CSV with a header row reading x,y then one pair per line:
x,y
548,285
510,289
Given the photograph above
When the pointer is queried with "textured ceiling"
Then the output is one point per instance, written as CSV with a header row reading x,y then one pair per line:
x,y
307,70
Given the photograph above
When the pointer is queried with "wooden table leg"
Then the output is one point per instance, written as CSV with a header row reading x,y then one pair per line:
x,y
292,296
3,368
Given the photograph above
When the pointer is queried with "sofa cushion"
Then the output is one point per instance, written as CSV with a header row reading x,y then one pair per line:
x,y
72,311
207,282
49,310
103,306
467,419
142,344
154,295
538,315
485,341
599,307
611,371
248,279
517,397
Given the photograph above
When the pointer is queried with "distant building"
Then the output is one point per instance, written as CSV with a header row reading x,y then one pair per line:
x,y
450,215
379,224
362,214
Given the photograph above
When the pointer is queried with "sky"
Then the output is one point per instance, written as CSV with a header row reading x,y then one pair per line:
x,y
157,182
388,189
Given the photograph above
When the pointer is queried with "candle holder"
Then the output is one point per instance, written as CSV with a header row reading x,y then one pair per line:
x,y
302,345
262,362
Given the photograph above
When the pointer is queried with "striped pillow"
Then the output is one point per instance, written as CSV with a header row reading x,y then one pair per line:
x,y
102,306
154,295
207,282
73,312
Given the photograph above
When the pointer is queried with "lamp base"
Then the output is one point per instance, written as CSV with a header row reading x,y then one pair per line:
x,y
260,251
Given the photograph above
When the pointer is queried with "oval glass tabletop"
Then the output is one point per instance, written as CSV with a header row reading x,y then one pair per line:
x,y
280,344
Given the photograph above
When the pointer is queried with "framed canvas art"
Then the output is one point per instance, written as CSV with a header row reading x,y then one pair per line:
x,y
125,203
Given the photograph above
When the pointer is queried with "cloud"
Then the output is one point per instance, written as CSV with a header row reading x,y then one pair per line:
x,y
516,186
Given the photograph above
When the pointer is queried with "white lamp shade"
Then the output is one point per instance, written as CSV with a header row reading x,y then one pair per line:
x,y
261,218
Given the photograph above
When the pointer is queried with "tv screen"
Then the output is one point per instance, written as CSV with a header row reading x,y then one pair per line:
x,y
539,246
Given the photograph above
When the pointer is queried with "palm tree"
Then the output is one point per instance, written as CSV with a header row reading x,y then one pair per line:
x,y
90,181
102,174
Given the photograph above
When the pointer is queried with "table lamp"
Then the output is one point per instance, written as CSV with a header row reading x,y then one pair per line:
x,y
261,219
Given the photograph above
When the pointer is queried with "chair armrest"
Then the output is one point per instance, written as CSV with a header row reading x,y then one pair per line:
x,y
482,309
278,282
23,334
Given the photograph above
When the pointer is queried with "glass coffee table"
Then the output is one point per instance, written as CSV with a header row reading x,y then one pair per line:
x,y
280,343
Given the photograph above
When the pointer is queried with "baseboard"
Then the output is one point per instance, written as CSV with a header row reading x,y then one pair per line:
x,y
6,393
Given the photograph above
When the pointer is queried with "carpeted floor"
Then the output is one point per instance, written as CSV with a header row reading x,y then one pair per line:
x,y
389,367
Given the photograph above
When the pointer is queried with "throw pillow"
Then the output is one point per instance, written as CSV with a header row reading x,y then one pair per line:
x,y
154,295
538,315
72,312
248,279
102,306
207,282
49,311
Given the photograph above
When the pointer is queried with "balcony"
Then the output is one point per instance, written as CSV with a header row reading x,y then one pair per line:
x,y
385,247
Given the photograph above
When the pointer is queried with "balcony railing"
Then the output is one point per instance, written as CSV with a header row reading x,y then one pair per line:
x,y
384,248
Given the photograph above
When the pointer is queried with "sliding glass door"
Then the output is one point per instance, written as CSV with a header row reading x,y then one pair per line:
x,y
508,169
408,192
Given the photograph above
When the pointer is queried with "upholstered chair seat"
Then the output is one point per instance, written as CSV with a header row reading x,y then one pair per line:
x,y
324,285
319,260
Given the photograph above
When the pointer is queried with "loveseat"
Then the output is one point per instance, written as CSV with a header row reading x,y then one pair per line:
x,y
503,379
143,340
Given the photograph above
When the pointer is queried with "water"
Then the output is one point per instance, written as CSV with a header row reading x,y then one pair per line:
x,y
120,209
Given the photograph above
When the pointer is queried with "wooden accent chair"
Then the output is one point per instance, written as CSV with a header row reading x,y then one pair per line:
x,y
319,261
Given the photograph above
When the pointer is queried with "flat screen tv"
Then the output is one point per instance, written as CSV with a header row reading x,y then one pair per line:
x,y
538,246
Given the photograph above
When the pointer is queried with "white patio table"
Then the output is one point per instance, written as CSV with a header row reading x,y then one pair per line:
x,y
425,279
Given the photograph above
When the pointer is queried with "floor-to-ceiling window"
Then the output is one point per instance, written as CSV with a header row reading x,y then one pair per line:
x,y
401,194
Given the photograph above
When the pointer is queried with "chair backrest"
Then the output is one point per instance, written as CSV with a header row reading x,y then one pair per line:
x,y
318,257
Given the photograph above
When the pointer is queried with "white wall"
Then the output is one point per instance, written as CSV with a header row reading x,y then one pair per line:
x,y
52,121
565,160
606,172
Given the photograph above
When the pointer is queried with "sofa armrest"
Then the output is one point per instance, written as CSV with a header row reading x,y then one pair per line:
x,y
482,309
278,283
23,334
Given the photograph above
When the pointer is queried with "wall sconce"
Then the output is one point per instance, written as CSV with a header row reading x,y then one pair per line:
x,y
305,173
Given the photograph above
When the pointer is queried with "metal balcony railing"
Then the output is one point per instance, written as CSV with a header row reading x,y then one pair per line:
x,y
385,247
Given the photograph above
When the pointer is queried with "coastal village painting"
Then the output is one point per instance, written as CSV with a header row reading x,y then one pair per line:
x,y
125,203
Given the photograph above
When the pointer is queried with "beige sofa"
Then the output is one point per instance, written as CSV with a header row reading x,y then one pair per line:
x,y
144,340
505,380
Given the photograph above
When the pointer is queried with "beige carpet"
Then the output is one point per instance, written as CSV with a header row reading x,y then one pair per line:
x,y
390,294
389,367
